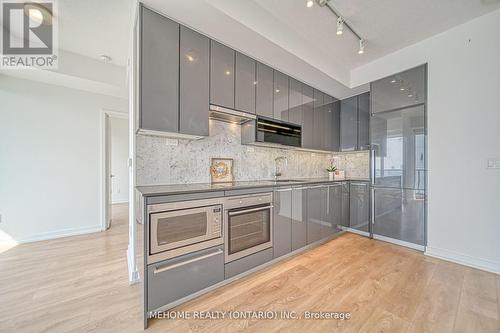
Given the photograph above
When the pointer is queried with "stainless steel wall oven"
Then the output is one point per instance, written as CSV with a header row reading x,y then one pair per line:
x,y
248,225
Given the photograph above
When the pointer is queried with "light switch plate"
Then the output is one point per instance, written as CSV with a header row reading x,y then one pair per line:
x,y
493,163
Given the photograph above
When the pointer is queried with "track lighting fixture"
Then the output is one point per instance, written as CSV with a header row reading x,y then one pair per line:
x,y
322,3
340,25
361,46
309,3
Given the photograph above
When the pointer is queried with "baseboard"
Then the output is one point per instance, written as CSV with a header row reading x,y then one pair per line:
x,y
464,259
60,233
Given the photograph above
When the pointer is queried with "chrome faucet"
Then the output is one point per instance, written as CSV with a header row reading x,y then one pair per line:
x,y
278,172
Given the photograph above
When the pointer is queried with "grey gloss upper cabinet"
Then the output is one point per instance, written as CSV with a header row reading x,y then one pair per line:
x,y
398,91
299,217
349,124
295,101
245,83
194,82
282,223
364,121
318,119
159,79
307,116
221,75
264,91
331,124
280,96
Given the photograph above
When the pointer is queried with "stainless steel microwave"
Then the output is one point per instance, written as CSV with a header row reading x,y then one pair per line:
x,y
184,227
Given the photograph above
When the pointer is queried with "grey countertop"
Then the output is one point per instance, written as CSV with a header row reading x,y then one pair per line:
x,y
157,190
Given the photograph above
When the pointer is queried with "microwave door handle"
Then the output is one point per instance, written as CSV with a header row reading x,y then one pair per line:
x,y
160,269
239,212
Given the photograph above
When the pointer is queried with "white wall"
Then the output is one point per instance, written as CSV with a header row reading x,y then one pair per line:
x,y
463,131
119,160
49,159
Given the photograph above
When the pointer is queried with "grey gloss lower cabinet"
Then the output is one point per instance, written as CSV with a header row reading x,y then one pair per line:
x,y
244,89
359,206
316,213
194,82
299,217
344,221
159,66
173,279
264,92
335,207
221,75
282,222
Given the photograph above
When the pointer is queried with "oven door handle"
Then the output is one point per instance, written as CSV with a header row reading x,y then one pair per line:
x,y
239,212
160,269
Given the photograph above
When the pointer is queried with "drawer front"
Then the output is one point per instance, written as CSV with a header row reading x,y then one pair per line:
x,y
173,279
244,264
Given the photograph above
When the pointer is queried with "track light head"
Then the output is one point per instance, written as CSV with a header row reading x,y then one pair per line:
x,y
361,46
322,3
340,25
309,3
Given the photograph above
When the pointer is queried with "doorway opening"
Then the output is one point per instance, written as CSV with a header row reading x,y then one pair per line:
x,y
115,166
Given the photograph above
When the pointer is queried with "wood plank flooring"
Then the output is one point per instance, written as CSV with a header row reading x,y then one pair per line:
x,y
79,284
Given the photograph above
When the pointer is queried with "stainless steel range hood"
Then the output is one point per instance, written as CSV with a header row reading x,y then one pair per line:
x,y
229,115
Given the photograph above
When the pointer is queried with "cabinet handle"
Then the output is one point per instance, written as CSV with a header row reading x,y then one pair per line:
x,y
360,184
299,188
160,269
335,185
284,190
239,212
318,186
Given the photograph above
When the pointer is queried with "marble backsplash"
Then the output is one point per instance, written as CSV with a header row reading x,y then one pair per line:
x,y
160,162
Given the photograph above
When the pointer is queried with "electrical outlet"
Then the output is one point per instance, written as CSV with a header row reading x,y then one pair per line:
x,y
171,142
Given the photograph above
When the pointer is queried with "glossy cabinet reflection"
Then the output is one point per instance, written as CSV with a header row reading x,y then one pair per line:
x,y
245,83
359,210
399,214
194,82
280,96
334,208
344,221
221,75
295,102
264,92
400,90
307,116
349,124
282,223
159,64
299,218
399,145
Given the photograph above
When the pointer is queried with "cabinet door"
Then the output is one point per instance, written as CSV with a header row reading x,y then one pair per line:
x,y
349,124
280,96
364,121
386,93
359,206
245,83
335,207
315,216
194,82
307,116
282,223
221,75
399,214
331,124
264,91
159,63
345,204
299,218
295,100
318,120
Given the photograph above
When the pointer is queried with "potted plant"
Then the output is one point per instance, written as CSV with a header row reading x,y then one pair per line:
x,y
331,169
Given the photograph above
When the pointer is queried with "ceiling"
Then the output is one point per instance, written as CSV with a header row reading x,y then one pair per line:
x,y
309,33
95,27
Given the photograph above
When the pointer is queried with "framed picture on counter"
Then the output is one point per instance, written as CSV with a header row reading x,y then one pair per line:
x,y
221,170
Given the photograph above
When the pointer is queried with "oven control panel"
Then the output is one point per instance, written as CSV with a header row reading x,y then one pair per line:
x,y
217,220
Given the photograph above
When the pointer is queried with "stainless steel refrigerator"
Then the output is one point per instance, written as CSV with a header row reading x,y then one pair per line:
x,y
398,158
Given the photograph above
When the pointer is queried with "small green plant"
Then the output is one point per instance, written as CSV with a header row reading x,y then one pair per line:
x,y
332,167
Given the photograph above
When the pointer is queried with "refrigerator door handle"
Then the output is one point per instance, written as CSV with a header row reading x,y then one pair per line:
x,y
372,166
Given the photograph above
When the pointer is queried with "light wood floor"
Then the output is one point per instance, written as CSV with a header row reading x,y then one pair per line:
x,y
79,284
